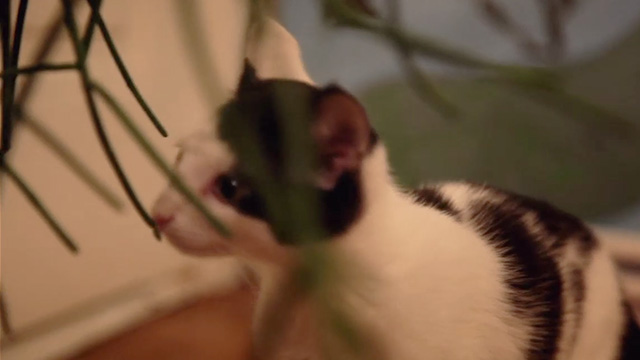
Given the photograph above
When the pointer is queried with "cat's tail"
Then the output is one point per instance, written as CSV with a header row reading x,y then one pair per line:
x,y
630,347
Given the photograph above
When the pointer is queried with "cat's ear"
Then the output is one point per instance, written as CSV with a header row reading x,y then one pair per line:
x,y
342,134
248,77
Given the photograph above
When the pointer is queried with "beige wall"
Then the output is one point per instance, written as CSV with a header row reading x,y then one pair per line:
x,y
40,277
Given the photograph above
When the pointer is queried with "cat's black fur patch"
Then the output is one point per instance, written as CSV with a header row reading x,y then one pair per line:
x,y
630,345
534,280
576,291
559,226
342,205
339,207
533,235
258,106
432,197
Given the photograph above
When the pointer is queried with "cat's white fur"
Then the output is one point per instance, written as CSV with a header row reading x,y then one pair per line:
x,y
434,288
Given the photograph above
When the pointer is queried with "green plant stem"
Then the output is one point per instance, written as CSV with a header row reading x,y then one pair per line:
x,y
39,206
523,76
5,32
5,321
97,120
17,35
97,18
77,167
198,50
346,15
37,68
417,78
10,60
46,45
91,25
583,110
175,180
499,18
425,88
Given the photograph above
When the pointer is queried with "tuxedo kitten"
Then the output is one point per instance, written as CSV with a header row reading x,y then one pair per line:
x,y
453,271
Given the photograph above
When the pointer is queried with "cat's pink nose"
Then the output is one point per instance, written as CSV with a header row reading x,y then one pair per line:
x,y
162,221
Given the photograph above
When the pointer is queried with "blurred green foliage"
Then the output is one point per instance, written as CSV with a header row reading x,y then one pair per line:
x,y
562,153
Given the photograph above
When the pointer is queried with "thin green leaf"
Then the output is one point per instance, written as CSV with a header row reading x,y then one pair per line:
x,y
97,18
10,60
51,37
175,180
39,206
426,90
524,76
91,25
5,32
198,50
17,33
97,120
27,70
608,122
5,320
60,149
417,78
498,17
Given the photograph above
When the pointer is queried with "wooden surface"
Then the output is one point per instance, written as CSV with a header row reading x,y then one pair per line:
x,y
214,327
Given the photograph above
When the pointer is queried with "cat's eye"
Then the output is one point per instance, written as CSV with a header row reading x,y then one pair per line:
x,y
228,188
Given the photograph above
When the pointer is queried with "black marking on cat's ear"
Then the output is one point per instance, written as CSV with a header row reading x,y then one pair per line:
x,y
342,134
432,197
248,78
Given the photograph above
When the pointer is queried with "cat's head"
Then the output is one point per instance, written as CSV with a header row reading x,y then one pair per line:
x,y
217,169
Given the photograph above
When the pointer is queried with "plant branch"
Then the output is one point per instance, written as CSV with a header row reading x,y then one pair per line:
x,y
91,25
584,110
175,180
5,32
39,206
97,18
37,68
523,76
10,60
97,120
5,321
425,88
553,14
417,78
46,45
17,33
198,49
501,20
77,167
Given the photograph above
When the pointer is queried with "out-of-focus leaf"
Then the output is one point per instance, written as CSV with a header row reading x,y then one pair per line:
x,y
509,140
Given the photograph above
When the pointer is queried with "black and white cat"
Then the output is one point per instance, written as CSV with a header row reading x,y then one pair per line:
x,y
453,271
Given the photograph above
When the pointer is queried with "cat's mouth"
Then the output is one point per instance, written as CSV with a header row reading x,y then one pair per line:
x,y
197,246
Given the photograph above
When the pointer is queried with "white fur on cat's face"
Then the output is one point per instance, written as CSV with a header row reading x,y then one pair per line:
x,y
202,159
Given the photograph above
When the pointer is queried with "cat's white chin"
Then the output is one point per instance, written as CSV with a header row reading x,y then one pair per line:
x,y
199,248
